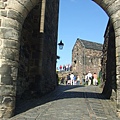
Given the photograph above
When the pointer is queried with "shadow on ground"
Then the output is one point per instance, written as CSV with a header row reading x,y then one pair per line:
x,y
61,92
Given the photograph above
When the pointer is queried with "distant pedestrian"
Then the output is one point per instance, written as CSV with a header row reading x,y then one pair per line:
x,y
67,67
60,67
86,79
75,79
70,67
72,79
89,75
78,82
62,80
68,79
64,67
95,81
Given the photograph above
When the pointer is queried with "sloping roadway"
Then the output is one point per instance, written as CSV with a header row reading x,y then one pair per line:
x,y
68,102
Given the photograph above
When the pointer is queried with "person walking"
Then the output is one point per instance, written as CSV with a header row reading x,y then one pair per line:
x,y
86,79
78,80
95,81
75,79
60,67
68,79
72,79
89,75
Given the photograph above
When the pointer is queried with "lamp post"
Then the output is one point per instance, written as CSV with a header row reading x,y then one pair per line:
x,y
61,44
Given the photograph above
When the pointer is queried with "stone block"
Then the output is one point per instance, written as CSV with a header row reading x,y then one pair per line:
x,y
118,60
8,113
7,90
5,69
118,76
113,8
9,63
18,7
116,24
14,71
3,13
15,15
27,3
2,5
8,33
13,54
108,2
11,23
117,45
9,101
10,44
7,80
117,30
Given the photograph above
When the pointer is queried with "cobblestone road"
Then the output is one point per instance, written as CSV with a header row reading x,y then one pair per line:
x,y
68,103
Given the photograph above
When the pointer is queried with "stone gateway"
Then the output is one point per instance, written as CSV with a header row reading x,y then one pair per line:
x,y
28,45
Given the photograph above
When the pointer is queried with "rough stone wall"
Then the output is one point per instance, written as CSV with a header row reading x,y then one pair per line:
x,y
109,63
92,60
50,46
78,59
10,27
23,49
36,73
84,60
29,54
112,8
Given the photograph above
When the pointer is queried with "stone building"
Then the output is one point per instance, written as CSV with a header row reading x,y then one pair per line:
x,y
86,56
28,47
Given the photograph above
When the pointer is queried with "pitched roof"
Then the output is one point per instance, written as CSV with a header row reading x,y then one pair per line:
x,y
91,45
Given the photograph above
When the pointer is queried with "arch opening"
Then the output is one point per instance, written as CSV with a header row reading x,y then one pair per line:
x,y
13,10
109,72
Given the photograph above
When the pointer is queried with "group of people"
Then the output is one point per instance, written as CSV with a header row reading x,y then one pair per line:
x,y
66,67
71,79
91,79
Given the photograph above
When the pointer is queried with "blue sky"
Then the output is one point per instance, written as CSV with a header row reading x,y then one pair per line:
x,y
82,19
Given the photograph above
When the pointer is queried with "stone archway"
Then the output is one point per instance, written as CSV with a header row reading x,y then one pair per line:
x,y
12,16
112,8
15,15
